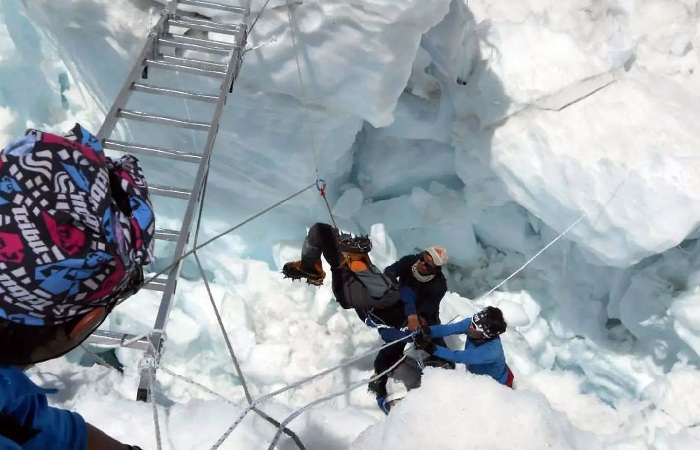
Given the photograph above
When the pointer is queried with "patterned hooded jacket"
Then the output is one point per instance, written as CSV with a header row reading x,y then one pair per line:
x,y
75,227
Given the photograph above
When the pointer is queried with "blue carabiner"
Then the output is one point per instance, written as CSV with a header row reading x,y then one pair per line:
x,y
320,184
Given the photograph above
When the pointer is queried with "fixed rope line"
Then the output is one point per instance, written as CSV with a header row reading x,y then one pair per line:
x,y
223,331
306,380
576,222
258,16
253,406
320,184
149,364
97,357
353,386
152,393
292,23
222,234
602,205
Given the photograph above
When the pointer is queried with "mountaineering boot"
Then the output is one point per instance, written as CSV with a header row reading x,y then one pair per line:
x,y
383,405
309,267
378,386
358,244
297,270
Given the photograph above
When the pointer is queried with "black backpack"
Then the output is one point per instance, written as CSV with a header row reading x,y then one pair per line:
x,y
365,285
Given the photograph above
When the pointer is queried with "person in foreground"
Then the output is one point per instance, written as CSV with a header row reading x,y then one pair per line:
x,y
483,351
76,229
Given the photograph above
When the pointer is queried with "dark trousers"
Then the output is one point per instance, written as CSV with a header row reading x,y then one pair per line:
x,y
321,239
394,317
388,356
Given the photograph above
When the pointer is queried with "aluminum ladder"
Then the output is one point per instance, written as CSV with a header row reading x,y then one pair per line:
x,y
159,54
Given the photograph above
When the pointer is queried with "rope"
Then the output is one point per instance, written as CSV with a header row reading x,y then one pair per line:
x,y
149,364
320,183
223,331
152,365
258,16
235,360
301,85
97,357
220,235
603,205
355,385
151,393
576,222
321,186
569,228
303,381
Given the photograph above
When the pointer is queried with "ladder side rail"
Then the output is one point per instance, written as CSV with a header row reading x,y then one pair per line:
x,y
148,49
247,13
202,172
181,245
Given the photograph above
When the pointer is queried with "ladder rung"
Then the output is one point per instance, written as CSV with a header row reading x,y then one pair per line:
x,y
151,151
196,44
164,120
147,88
204,25
156,285
160,64
169,191
167,235
113,339
212,5
198,63
207,23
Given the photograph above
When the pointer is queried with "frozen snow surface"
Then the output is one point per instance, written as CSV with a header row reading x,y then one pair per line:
x,y
497,129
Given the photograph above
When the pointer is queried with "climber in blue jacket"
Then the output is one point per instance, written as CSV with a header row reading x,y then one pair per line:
x,y
483,351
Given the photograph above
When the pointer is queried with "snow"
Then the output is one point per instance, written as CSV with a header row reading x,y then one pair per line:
x,y
489,127
483,415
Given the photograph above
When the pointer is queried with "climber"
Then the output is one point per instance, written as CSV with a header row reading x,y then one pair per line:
x,y
77,227
355,281
406,295
483,351
422,285
406,377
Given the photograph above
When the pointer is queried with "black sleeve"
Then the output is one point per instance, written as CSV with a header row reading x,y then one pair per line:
x,y
401,267
430,303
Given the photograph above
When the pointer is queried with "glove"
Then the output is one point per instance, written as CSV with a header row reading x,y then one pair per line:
x,y
413,322
424,342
